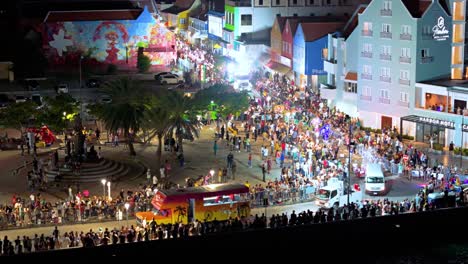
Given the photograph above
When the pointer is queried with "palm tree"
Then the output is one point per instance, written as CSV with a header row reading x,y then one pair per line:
x,y
181,118
126,111
181,212
157,120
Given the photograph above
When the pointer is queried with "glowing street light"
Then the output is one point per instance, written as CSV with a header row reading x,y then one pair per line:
x,y
211,173
127,205
109,190
103,181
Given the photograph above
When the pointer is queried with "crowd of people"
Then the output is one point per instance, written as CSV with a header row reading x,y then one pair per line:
x,y
154,231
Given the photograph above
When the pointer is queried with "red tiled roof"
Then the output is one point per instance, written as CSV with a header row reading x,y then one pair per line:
x,y
351,76
295,21
316,30
92,15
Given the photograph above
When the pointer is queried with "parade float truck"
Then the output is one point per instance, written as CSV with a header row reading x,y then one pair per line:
x,y
205,203
335,195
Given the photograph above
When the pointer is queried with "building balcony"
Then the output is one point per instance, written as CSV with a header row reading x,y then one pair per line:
x,y
367,33
404,82
366,76
405,59
428,59
384,100
387,57
366,97
330,66
387,35
385,12
366,54
404,104
386,79
405,36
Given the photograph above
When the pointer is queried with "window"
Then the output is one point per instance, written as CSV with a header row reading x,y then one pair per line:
x,y
351,87
386,28
387,5
312,14
182,21
311,2
405,53
367,47
425,53
367,69
260,2
325,54
295,14
367,26
405,29
385,72
384,94
404,97
427,30
404,75
366,91
246,20
278,15
277,2
328,2
387,50
345,2
294,2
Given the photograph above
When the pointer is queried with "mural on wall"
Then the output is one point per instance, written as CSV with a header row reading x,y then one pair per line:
x,y
109,42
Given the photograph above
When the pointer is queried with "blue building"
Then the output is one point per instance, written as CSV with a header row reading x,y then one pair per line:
x,y
309,50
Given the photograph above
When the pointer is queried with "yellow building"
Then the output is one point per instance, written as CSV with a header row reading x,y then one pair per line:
x,y
177,16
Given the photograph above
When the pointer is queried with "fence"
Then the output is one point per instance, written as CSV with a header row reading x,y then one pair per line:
x,y
269,197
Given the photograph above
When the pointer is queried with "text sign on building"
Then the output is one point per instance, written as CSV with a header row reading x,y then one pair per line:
x,y
465,127
440,33
433,121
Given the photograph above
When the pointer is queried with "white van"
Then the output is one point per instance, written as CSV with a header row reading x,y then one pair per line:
x,y
375,180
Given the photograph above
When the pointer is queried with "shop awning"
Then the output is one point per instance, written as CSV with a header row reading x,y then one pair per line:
x,y
277,67
351,77
216,46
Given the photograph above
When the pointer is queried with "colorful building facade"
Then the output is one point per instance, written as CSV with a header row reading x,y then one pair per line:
x,y
310,42
106,37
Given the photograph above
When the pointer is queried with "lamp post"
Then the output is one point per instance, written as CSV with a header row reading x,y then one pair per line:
x,y
211,173
462,143
127,205
81,97
348,118
109,190
104,181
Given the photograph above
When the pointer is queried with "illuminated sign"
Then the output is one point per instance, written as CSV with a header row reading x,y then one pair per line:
x,y
440,33
433,121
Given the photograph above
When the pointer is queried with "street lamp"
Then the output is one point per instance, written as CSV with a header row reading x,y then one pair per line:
x,y
109,190
81,97
103,181
127,205
348,119
211,173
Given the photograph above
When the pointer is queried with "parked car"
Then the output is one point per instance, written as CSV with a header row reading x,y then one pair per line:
x,y
20,99
93,83
4,100
106,99
37,98
171,79
62,88
33,85
158,75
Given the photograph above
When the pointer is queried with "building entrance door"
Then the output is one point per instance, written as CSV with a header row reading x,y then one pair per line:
x,y
386,122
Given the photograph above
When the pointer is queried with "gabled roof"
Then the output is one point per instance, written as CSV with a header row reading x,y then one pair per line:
x,y
315,30
295,20
353,21
179,6
281,22
92,15
417,7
